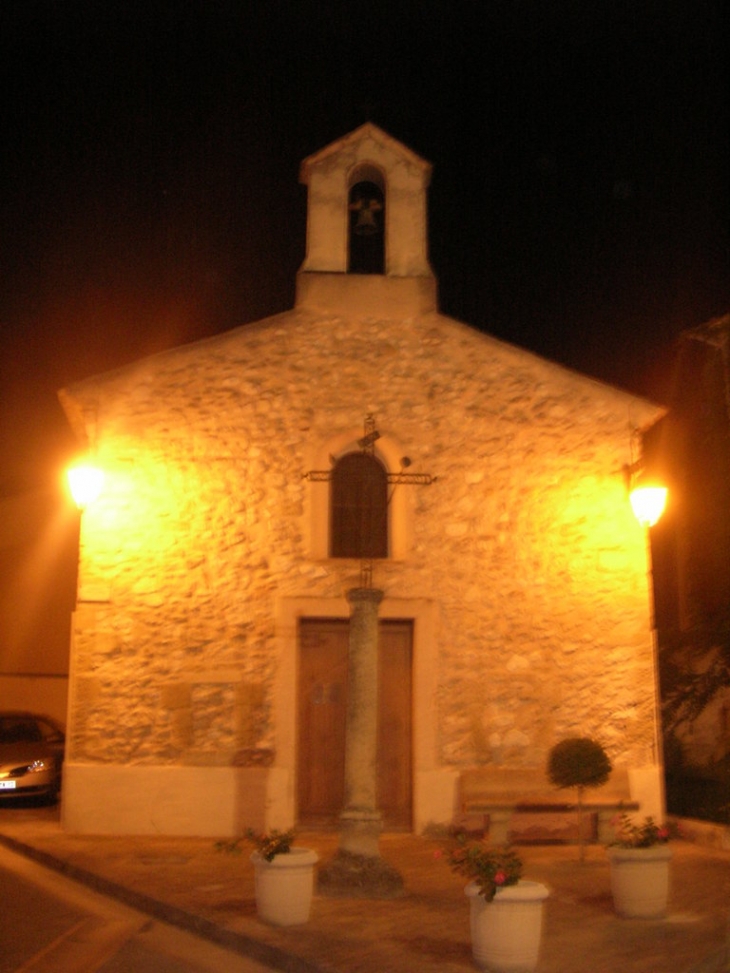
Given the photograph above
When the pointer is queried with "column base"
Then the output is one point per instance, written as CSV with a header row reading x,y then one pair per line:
x,y
359,877
360,832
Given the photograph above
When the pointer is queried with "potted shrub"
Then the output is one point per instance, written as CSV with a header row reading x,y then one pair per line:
x,y
579,762
505,910
284,876
639,858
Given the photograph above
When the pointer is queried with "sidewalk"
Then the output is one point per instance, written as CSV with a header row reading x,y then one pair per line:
x,y
187,882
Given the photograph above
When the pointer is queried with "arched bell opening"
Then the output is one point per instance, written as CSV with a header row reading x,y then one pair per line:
x,y
366,227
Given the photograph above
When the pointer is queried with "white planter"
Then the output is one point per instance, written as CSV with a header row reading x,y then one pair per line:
x,y
506,932
640,881
284,886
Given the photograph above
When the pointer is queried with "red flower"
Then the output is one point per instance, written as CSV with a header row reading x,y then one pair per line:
x,y
499,878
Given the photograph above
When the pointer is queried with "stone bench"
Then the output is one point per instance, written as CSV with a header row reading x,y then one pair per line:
x,y
498,792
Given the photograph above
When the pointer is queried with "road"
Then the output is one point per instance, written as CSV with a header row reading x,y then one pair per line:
x,y
51,924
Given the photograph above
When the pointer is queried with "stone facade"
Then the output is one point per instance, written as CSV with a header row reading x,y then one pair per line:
x,y
521,564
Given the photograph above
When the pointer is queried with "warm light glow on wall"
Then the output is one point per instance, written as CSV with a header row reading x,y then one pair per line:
x,y
85,483
648,503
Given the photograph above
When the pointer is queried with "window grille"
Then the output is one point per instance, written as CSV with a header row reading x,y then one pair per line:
x,y
359,507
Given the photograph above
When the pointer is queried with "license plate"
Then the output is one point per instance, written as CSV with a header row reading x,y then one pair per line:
x,y
7,785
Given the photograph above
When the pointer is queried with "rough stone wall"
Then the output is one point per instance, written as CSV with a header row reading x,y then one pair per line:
x,y
525,540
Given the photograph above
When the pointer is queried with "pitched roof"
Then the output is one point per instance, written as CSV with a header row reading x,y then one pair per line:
x,y
365,133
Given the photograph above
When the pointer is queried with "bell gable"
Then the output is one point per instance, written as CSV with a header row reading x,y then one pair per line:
x,y
367,220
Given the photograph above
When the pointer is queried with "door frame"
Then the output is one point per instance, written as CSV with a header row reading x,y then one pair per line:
x,y
337,630
282,789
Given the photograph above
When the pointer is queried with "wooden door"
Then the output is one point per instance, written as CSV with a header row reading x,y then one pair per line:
x,y
323,647
395,725
322,714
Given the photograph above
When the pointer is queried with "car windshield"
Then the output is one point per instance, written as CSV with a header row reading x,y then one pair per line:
x,y
19,731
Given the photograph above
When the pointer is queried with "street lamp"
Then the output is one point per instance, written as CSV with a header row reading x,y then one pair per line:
x,y
647,494
648,501
85,482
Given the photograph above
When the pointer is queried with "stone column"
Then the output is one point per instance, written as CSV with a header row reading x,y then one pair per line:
x,y
357,869
360,821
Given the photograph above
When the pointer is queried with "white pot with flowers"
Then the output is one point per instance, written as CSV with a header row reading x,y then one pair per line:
x,y
505,910
284,876
639,856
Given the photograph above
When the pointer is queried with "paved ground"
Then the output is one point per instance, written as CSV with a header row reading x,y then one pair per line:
x,y
51,924
187,881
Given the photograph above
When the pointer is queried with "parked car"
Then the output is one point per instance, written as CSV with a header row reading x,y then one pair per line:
x,y
31,756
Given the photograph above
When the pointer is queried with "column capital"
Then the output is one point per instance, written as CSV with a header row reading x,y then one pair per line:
x,y
373,595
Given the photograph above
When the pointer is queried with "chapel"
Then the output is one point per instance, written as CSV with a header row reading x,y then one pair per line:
x,y
361,441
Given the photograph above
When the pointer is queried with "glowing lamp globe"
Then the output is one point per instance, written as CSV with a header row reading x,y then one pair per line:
x,y
648,503
85,483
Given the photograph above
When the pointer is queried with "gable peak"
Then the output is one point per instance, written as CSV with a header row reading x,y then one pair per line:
x,y
367,139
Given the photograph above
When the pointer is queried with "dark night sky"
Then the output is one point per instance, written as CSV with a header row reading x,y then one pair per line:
x,y
149,157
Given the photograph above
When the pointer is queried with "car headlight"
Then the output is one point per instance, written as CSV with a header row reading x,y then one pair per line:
x,y
38,766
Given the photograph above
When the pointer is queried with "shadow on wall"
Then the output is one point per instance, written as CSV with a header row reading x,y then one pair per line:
x,y
39,534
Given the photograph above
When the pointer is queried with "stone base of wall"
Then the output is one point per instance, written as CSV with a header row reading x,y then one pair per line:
x,y
199,801
223,801
435,799
208,801
706,833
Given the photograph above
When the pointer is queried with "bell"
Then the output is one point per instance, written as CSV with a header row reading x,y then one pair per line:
x,y
366,224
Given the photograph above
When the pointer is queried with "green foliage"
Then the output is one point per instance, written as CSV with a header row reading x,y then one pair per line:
x,y
490,868
578,762
695,666
267,844
644,835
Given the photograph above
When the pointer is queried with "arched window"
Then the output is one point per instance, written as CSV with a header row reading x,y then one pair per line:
x,y
366,236
358,507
